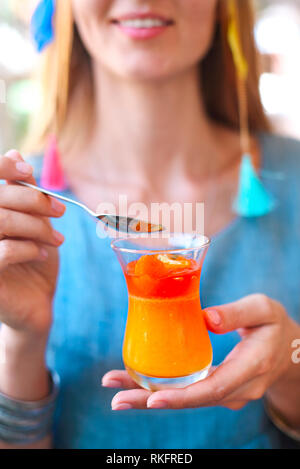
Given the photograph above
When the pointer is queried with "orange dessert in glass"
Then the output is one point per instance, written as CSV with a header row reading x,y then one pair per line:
x,y
166,342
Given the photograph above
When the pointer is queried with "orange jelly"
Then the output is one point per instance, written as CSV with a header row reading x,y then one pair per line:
x,y
166,335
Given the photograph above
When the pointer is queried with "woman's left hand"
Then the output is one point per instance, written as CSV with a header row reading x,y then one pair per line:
x,y
260,360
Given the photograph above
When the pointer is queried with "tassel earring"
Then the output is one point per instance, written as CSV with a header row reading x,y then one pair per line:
x,y
41,26
52,177
252,200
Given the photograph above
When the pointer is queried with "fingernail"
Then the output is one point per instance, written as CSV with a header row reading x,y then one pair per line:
x,y
157,405
58,236
13,154
57,206
112,383
123,406
24,168
44,253
214,316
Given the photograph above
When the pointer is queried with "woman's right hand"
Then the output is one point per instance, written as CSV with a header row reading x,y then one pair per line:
x,y
28,249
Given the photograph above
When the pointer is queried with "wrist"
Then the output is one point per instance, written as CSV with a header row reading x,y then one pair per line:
x,y
23,371
293,431
283,394
17,344
291,369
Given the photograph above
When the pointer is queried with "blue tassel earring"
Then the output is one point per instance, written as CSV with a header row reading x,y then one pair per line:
x,y
252,200
42,28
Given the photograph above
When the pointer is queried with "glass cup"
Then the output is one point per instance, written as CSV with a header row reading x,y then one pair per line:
x,y
166,343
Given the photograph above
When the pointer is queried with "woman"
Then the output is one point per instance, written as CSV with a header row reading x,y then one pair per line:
x,y
138,101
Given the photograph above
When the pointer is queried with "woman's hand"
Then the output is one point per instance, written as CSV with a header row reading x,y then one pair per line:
x,y
262,359
28,271
28,250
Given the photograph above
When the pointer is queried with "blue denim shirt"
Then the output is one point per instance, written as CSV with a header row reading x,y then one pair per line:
x,y
249,256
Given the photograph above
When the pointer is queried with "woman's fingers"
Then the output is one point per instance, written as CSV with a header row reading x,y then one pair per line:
x,y
141,399
15,252
232,384
236,405
118,379
15,156
24,199
134,399
251,311
13,169
212,391
239,368
21,225
18,205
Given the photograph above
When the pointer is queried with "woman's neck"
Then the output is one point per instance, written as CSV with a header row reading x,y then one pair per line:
x,y
141,127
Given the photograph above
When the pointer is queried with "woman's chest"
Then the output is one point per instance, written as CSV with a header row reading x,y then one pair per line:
x,y
180,206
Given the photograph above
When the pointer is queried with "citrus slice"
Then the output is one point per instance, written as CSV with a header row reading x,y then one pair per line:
x,y
174,261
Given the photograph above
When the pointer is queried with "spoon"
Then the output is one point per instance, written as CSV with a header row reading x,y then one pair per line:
x,y
116,222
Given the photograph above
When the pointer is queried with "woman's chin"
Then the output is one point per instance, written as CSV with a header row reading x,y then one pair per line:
x,y
144,75
141,67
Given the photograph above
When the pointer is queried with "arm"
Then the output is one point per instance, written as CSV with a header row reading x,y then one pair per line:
x,y
23,373
28,273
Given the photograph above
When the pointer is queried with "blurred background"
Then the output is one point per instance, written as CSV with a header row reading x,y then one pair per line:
x,y
277,35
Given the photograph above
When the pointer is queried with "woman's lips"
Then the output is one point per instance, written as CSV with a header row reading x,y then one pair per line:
x,y
142,26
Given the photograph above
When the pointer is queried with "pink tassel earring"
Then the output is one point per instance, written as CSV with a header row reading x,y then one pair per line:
x,y
52,177
42,29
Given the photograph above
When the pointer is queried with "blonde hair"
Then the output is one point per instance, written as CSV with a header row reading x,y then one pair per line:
x,y
67,86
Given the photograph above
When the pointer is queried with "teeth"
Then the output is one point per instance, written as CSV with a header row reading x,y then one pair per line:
x,y
142,23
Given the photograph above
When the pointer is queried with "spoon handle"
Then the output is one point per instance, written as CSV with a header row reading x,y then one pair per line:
x,y
57,196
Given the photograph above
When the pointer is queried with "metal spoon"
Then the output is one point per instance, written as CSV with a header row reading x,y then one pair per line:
x,y
116,222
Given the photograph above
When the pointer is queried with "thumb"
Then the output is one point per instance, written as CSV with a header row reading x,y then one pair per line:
x,y
17,157
250,311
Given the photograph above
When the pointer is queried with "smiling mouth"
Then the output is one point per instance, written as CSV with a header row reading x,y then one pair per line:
x,y
142,23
